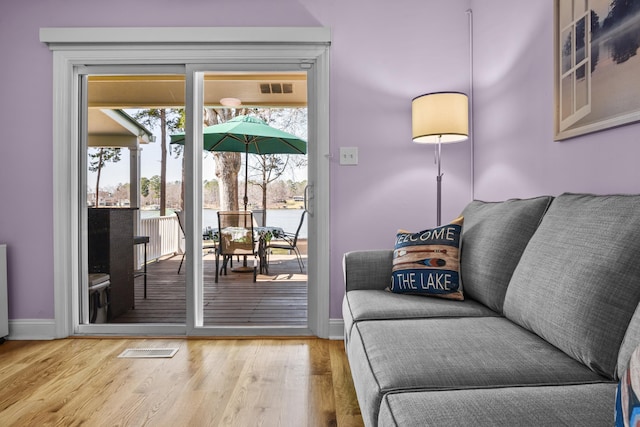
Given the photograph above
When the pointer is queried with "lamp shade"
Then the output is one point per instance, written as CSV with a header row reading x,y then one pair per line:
x,y
440,117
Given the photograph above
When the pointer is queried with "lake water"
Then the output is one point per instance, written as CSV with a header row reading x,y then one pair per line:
x,y
287,219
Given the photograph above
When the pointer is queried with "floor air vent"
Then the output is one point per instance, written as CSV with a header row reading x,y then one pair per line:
x,y
137,353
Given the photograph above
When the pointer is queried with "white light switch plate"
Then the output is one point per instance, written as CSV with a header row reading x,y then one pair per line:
x,y
348,155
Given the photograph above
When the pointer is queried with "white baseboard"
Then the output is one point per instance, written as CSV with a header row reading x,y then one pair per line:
x,y
45,329
336,329
32,329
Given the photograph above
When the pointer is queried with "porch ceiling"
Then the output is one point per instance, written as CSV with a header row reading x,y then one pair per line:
x,y
113,128
167,91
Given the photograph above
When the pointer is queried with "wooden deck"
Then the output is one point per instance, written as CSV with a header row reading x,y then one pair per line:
x,y
277,299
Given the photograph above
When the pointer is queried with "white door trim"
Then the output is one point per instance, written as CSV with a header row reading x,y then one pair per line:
x,y
77,47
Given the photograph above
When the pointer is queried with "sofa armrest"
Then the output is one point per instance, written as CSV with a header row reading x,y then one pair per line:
x,y
367,269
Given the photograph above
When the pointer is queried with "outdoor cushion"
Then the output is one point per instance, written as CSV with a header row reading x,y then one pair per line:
x,y
446,353
577,281
379,305
427,263
493,239
496,407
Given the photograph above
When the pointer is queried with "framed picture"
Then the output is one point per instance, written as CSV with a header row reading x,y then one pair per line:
x,y
597,65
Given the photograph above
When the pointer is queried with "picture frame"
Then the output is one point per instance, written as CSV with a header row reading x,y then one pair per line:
x,y
596,65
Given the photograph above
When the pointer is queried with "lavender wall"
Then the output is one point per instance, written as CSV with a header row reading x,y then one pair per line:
x,y
515,152
383,54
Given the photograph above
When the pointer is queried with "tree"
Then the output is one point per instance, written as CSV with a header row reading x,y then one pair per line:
x,y
211,193
122,192
178,123
227,164
625,39
144,187
155,186
174,194
98,160
270,167
169,120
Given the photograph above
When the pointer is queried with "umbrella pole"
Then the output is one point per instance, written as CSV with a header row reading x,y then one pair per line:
x,y
246,174
245,268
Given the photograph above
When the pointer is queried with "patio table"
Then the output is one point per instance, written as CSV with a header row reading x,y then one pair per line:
x,y
264,235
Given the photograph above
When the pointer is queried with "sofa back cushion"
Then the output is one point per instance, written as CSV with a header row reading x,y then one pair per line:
x,y
493,239
577,282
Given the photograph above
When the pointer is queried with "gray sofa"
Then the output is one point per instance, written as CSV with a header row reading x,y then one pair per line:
x,y
546,328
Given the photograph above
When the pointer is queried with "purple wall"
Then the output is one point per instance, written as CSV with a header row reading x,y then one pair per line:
x,y
515,152
382,56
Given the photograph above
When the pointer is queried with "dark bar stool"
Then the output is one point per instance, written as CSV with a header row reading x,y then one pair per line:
x,y
138,240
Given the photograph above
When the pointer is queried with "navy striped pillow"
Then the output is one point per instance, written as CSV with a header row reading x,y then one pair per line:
x,y
428,262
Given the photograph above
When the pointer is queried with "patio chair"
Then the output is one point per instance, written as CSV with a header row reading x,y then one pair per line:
x,y
289,242
236,237
207,245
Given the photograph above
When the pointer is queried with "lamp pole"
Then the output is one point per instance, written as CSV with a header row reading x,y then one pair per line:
x,y
439,182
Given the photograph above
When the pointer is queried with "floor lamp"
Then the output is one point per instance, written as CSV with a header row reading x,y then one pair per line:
x,y
440,118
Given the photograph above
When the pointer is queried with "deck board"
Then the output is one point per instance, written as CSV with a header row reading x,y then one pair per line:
x,y
277,299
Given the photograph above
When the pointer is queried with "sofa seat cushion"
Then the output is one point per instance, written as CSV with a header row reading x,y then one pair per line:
x,y
570,405
452,353
493,238
577,281
381,305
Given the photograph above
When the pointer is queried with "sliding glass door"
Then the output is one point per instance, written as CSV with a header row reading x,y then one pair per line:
x,y
157,176
232,170
266,176
186,58
132,191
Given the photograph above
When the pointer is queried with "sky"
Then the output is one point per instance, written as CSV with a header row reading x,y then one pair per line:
x,y
601,7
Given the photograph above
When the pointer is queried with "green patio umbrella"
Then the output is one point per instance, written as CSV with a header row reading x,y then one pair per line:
x,y
249,135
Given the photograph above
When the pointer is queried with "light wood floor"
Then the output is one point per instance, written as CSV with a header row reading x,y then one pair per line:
x,y
209,382
276,299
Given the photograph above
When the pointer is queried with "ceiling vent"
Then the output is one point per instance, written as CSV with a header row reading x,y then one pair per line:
x,y
267,88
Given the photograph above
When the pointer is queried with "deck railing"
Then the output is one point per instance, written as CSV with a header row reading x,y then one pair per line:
x,y
164,237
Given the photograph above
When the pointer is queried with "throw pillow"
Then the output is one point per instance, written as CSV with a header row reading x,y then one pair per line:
x,y
428,262
627,412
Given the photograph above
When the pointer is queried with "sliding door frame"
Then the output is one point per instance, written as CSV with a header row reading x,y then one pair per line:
x,y
73,48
